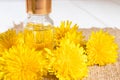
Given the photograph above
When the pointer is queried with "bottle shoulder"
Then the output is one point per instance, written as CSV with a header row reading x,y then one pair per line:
x,y
39,19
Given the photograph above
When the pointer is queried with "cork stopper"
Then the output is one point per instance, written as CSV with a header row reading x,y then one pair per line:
x,y
38,6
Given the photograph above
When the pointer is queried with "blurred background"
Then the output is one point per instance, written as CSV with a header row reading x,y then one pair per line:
x,y
86,13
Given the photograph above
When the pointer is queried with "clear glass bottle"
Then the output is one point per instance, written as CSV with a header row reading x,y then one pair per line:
x,y
38,28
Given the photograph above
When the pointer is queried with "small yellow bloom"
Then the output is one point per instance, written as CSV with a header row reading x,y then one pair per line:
x,y
75,37
8,39
22,63
63,29
70,61
101,48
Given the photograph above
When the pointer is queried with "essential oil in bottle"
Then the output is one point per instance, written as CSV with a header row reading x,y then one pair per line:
x,y
38,28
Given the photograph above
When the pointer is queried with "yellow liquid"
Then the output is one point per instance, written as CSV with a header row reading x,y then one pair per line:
x,y
39,36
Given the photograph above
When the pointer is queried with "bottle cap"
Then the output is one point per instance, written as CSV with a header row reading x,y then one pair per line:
x,y
38,6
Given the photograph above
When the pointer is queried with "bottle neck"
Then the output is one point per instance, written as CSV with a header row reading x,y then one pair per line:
x,y
40,18
38,15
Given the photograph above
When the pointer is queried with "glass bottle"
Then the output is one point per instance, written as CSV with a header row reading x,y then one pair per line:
x,y
38,27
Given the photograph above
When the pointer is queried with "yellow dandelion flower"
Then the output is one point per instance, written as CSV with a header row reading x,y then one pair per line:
x,y
50,59
75,37
101,48
8,39
49,55
22,63
63,29
70,62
